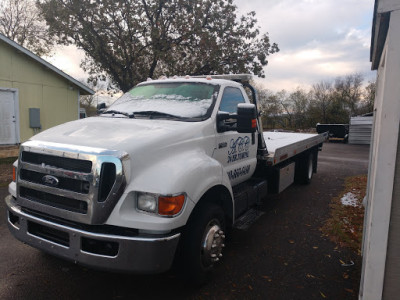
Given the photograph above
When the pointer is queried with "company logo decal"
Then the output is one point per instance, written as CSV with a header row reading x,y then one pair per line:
x,y
239,149
50,180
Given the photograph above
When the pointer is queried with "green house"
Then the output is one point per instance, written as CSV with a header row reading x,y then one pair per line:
x,y
34,95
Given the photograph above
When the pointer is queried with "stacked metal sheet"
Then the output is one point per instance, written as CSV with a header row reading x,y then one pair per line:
x,y
360,130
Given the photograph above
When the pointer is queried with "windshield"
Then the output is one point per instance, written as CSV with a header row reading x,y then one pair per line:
x,y
179,100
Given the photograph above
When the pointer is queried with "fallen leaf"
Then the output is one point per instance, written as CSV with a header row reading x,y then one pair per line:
x,y
250,287
322,294
349,290
315,247
310,276
345,276
267,277
291,241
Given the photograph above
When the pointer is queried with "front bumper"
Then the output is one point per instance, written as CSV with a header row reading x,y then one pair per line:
x,y
111,252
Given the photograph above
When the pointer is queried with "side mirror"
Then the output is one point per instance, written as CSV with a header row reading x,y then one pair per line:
x,y
246,118
222,116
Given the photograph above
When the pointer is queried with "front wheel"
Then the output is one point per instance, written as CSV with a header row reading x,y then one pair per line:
x,y
203,242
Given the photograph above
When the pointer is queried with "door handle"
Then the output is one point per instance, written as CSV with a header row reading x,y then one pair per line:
x,y
222,145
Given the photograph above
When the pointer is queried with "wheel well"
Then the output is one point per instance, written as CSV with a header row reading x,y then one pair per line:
x,y
300,157
219,195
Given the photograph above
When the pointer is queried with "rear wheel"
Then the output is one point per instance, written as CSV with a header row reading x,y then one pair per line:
x,y
305,169
203,242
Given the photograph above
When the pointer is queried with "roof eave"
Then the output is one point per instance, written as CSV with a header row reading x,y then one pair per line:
x,y
83,89
380,27
379,32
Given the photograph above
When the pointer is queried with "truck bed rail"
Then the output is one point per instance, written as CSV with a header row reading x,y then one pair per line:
x,y
284,145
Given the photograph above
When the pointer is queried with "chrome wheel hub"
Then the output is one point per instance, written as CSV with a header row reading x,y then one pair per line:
x,y
212,244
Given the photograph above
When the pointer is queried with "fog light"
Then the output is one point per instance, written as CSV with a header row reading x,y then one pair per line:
x,y
147,202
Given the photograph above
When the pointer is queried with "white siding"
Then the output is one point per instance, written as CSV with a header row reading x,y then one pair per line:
x,y
382,165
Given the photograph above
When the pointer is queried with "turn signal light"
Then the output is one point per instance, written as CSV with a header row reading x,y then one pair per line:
x,y
170,206
254,123
14,178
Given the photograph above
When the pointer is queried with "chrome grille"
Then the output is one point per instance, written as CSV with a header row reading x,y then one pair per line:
x,y
65,163
74,183
54,200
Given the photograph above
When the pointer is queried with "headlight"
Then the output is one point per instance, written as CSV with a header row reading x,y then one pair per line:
x,y
147,202
168,206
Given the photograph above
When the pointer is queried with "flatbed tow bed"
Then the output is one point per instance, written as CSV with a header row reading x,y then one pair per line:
x,y
283,145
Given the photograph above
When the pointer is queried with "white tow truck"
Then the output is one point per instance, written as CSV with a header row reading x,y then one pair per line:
x,y
163,173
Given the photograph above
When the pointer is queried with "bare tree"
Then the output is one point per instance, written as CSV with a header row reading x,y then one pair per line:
x,y
89,102
287,106
21,22
367,103
322,98
300,101
271,109
348,91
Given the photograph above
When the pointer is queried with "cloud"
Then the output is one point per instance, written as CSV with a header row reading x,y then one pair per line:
x,y
319,39
68,59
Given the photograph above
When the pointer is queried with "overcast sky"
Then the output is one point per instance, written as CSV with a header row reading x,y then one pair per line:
x,y
318,40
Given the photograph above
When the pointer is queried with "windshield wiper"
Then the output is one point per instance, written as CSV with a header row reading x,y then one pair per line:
x,y
118,113
153,113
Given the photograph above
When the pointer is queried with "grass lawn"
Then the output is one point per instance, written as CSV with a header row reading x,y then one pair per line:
x,y
345,225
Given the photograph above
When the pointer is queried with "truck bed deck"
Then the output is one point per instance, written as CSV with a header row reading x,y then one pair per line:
x,y
283,145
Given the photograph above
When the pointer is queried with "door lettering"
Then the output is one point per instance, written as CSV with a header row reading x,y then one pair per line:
x,y
239,149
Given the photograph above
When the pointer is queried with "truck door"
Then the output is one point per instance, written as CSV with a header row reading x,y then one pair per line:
x,y
237,152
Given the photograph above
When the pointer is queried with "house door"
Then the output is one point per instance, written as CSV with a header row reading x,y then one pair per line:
x,y
8,117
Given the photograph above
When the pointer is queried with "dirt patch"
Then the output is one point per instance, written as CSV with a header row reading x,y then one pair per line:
x,y
8,151
345,226
6,170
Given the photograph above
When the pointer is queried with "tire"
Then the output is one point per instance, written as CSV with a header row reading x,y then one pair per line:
x,y
305,169
203,243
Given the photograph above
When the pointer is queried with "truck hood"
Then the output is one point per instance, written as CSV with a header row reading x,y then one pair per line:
x,y
123,134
